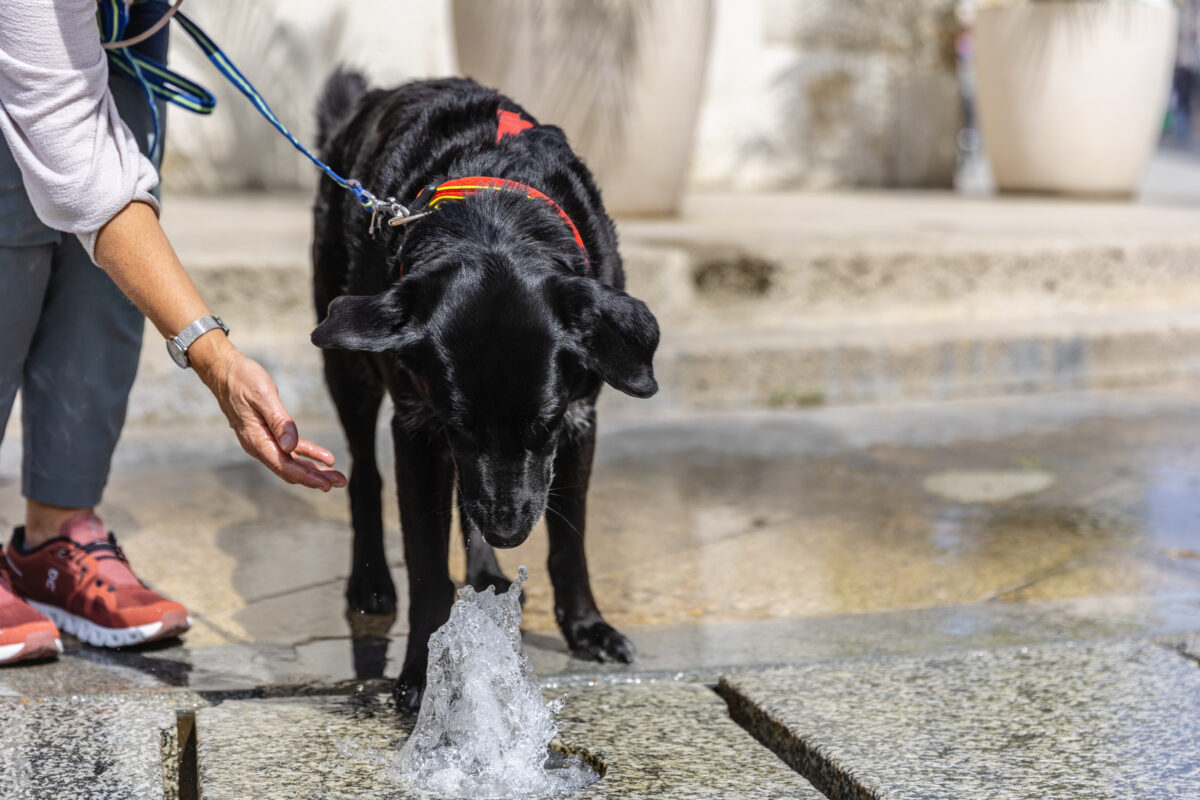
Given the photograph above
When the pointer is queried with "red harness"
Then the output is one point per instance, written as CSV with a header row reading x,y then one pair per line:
x,y
509,123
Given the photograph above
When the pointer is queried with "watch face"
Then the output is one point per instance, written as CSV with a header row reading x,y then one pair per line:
x,y
177,353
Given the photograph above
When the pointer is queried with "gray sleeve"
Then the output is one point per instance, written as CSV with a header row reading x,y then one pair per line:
x,y
79,162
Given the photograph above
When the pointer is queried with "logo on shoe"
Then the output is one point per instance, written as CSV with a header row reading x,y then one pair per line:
x,y
51,577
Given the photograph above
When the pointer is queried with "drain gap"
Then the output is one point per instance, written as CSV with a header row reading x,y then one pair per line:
x,y
1181,648
825,776
560,751
189,783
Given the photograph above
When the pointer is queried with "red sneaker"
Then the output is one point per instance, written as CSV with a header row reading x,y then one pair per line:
x,y
24,633
83,582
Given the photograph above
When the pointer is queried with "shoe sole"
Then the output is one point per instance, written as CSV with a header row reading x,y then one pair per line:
x,y
36,645
99,636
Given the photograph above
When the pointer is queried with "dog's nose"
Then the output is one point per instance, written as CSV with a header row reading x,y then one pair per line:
x,y
508,525
506,541
504,514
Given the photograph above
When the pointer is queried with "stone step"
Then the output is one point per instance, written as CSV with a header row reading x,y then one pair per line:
x,y
856,259
788,300
653,740
815,364
837,364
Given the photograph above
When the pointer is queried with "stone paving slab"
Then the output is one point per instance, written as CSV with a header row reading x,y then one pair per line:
x,y
655,740
70,748
1060,722
698,653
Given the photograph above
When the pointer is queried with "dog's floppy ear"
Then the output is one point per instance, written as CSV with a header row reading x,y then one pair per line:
x,y
373,323
618,336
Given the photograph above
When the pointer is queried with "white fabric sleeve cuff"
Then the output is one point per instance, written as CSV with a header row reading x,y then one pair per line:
x,y
88,238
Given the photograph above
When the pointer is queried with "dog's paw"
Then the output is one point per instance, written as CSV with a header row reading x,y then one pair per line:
x,y
600,641
371,594
407,692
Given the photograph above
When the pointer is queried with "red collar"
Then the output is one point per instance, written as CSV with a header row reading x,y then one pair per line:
x,y
509,123
460,188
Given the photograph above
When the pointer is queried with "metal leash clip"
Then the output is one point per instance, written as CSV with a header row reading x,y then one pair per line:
x,y
390,209
419,208
407,217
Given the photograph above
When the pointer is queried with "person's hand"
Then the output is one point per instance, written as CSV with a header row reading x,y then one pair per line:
x,y
250,401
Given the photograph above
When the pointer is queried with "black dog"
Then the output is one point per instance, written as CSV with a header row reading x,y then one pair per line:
x,y
492,323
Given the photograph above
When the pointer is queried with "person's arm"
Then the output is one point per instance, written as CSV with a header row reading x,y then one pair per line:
x,y
133,249
84,175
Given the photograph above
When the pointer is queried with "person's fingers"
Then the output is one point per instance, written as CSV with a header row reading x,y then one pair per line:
x,y
259,441
265,400
295,471
268,433
314,451
305,474
336,479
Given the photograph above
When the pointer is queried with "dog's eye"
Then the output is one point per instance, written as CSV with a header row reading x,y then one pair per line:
x,y
468,437
536,433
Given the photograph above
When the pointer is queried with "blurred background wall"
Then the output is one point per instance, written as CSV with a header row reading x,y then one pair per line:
x,y
287,47
829,93
662,96
657,94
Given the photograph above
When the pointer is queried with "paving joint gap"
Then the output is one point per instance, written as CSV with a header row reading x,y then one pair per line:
x,y
1182,649
189,783
774,735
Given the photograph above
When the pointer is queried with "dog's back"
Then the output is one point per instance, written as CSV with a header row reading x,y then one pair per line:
x,y
398,141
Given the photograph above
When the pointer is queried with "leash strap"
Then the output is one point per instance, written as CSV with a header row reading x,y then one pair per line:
x,y
159,81
156,80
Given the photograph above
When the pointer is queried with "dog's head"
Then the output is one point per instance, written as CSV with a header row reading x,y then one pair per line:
x,y
498,349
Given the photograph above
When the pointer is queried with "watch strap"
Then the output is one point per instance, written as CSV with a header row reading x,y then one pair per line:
x,y
197,329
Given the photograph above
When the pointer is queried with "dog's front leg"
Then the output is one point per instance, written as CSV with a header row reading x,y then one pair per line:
x,y
586,632
424,486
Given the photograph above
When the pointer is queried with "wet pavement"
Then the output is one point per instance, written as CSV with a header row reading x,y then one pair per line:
x,y
684,746
1056,722
731,521
848,543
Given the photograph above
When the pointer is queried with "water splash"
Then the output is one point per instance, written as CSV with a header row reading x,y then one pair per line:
x,y
483,729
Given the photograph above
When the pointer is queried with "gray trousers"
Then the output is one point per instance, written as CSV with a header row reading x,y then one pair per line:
x,y
70,339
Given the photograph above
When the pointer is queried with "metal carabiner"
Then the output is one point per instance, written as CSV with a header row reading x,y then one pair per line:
x,y
404,219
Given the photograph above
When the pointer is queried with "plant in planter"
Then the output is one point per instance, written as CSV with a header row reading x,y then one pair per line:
x,y
1071,93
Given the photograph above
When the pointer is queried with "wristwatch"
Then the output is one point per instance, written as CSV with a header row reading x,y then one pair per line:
x,y
178,347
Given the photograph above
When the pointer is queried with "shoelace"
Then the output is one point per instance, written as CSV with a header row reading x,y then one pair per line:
x,y
110,548
81,554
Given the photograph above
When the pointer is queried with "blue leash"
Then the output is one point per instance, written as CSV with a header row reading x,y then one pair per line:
x,y
157,80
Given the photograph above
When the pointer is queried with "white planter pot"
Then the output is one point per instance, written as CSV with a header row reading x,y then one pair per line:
x,y
1071,94
621,77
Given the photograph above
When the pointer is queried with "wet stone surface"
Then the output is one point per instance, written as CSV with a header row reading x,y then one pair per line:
x,y
68,748
1059,722
655,740
693,652
700,521
864,510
